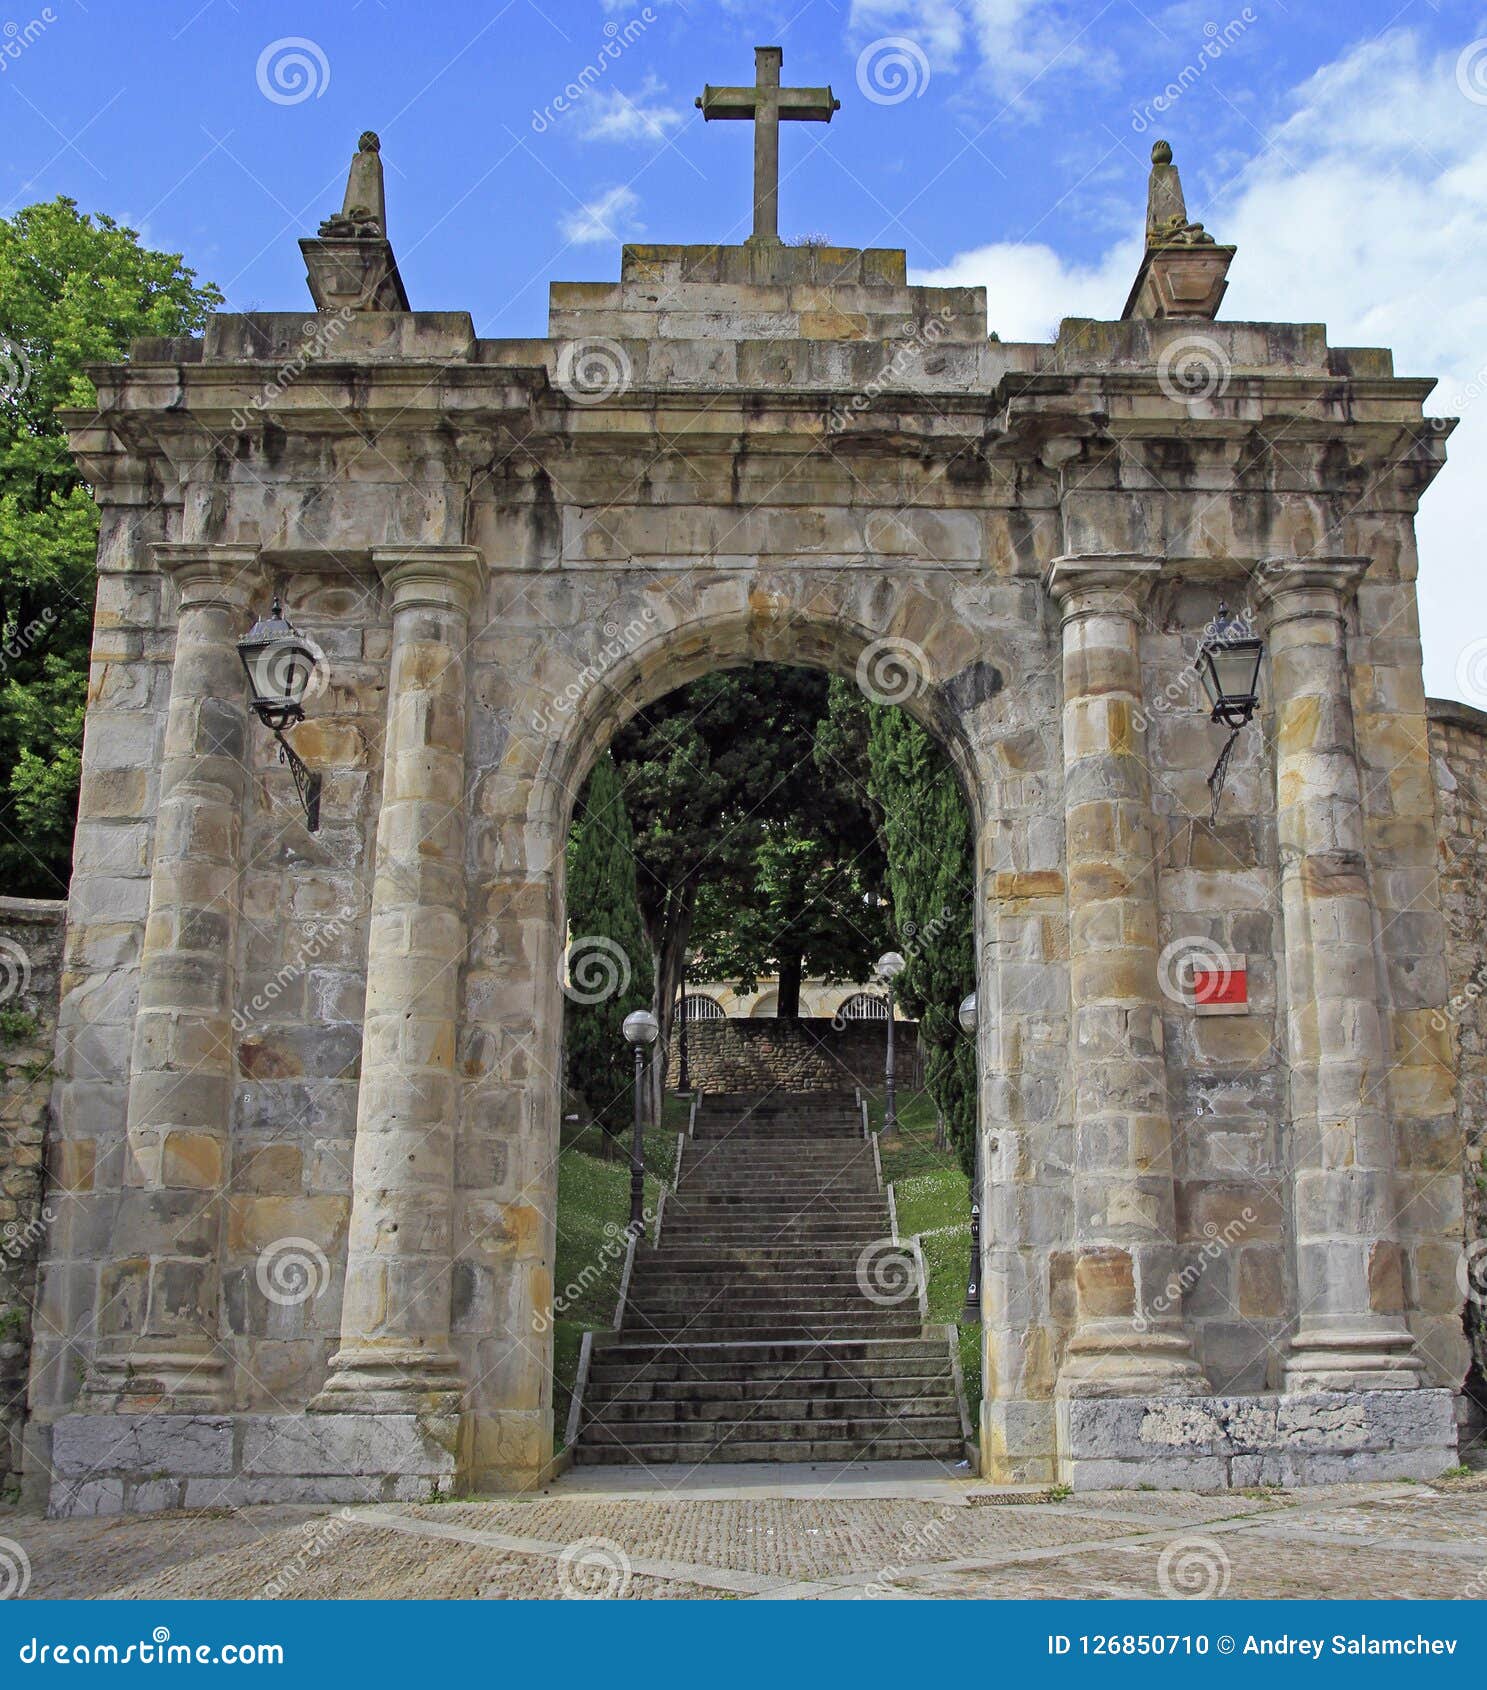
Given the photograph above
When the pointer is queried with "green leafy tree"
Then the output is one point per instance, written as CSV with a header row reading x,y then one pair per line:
x,y
74,290
930,850
610,971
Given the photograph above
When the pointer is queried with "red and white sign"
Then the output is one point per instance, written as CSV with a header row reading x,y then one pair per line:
x,y
1220,986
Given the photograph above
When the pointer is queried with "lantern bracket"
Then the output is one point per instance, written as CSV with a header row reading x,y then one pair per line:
x,y
307,781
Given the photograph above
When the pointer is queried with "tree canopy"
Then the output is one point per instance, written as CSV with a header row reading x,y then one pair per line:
x,y
74,290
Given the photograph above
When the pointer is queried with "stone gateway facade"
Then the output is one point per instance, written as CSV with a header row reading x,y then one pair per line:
x,y
314,1077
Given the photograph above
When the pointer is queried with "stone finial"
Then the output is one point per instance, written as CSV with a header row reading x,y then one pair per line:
x,y
1166,210
1183,269
363,213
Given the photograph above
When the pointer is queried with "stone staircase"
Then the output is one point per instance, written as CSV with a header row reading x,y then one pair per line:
x,y
747,1335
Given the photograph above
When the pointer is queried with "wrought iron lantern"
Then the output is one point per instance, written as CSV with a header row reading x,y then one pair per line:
x,y
1228,665
280,664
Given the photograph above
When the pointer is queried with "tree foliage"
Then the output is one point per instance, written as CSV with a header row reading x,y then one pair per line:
x,y
74,291
930,849
609,957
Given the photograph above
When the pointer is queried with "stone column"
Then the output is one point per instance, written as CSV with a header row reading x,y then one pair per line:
x,y
1351,1333
158,1334
1129,1338
395,1354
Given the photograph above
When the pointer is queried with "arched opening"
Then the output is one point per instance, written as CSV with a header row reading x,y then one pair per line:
x,y
921,1151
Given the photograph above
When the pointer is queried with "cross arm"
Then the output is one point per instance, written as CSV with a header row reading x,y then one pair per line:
x,y
726,102
808,105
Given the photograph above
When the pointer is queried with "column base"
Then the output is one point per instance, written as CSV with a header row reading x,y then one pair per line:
x,y
1121,1358
1365,1358
159,1378
404,1381
1220,1443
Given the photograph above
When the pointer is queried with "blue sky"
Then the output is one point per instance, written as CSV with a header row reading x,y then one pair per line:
x,y
1344,147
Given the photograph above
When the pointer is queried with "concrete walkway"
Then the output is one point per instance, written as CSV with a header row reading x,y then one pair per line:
x,y
799,1533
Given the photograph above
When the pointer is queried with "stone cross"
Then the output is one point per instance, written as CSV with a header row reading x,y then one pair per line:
x,y
766,103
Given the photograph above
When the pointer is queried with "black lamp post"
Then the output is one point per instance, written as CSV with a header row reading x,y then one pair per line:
x,y
888,967
1228,664
972,1310
280,662
640,1029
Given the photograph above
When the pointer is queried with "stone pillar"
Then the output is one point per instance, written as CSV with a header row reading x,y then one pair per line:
x,y
395,1355
1129,1338
158,1335
1351,1333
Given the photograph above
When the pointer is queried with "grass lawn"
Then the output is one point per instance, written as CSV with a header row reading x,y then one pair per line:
x,y
593,1211
933,1198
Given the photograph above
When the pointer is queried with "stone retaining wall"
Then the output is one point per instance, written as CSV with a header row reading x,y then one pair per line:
x,y
811,1054
30,964
1458,748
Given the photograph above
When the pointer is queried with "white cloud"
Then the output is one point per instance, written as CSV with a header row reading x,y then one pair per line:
x,y
1363,211
611,217
611,115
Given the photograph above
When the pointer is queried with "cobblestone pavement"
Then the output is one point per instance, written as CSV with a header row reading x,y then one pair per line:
x,y
808,1538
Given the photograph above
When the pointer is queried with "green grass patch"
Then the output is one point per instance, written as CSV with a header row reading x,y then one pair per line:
x,y
593,1212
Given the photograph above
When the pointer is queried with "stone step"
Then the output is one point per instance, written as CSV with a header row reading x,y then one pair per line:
x,y
661,1384
807,1441
797,1410
735,1331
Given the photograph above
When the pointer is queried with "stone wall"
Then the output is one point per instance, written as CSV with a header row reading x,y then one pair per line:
x,y
811,1054
30,961
1458,747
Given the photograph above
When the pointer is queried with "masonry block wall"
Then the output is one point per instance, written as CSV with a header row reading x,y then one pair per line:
x,y
30,961
1458,744
813,1053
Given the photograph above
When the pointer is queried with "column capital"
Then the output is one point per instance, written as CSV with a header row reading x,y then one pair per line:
x,y
1290,587
1101,583
430,577
207,575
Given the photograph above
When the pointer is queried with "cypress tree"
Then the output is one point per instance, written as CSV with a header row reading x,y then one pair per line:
x,y
610,970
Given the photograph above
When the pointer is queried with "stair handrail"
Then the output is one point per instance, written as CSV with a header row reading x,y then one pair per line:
x,y
877,1160
580,1385
667,1190
618,1323
892,1214
921,1281
867,1131
692,1112
957,1374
